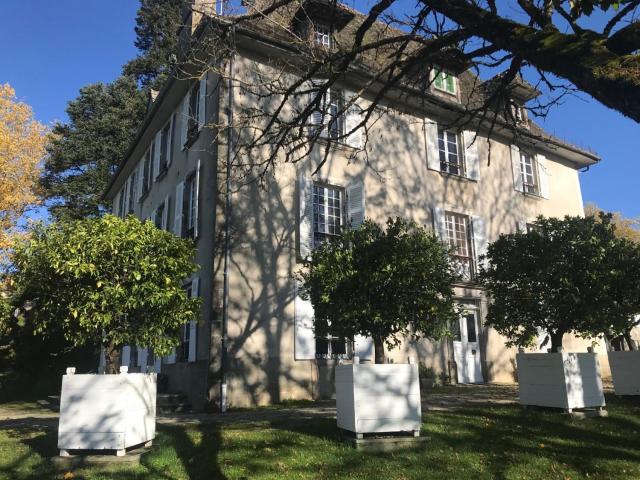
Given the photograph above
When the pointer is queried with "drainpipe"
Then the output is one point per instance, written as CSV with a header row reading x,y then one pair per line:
x,y
227,246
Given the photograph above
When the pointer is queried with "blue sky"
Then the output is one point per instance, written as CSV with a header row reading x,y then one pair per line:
x,y
52,48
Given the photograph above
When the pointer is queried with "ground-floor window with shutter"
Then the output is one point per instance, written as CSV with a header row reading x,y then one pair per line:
x,y
458,233
451,159
529,172
186,351
327,212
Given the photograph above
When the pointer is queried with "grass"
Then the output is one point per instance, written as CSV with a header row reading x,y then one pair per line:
x,y
474,443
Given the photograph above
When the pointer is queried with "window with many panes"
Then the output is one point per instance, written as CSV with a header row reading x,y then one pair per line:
x,y
323,35
190,204
327,213
182,352
445,82
194,100
330,117
459,241
451,160
529,172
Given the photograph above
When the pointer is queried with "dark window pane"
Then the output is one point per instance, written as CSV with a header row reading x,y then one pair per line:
x,y
471,328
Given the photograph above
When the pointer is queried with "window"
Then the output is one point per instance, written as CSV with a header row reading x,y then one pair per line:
x,y
529,173
323,35
459,240
132,191
185,333
121,204
146,171
519,113
327,213
331,347
158,219
450,152
330,115
194,100
165,145
190,204
445,82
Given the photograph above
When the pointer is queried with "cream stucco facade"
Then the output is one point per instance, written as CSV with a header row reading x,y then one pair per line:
x,y
397,180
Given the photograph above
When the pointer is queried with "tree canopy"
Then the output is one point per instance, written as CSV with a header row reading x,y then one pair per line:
x,y
105,281
22,147
386,283
157,25
85,152
563,275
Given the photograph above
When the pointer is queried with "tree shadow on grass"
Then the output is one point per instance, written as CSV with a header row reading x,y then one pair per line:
x,y
198,449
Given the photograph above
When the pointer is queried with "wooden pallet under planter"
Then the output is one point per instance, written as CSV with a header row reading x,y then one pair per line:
x,y
560,380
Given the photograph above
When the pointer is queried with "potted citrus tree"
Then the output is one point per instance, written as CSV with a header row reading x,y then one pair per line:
x,y
563,276
109,282
388,284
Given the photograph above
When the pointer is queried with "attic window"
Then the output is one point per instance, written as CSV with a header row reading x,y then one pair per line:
x,y
444,81
519,113
323,35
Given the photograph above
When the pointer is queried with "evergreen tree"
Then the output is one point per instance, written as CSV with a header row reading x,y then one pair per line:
x,y
157,25
85,152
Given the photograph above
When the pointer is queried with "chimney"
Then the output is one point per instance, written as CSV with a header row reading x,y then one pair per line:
x,y
200,8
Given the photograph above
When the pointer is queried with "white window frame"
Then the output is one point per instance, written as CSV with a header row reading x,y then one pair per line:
x,y
465,263
326,189
530,180
323,34
185,332
446,165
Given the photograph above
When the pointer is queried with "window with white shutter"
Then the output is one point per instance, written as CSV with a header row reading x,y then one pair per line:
x,y
451,158
471,156
327,212
178,217
354,116
186,351
543,175
516,167
202,101
480,239
355,205
305,224
328,115
157,149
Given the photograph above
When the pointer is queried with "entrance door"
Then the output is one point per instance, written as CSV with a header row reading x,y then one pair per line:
x,y
466,348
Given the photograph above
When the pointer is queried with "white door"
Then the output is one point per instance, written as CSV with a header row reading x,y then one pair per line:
x,y
466,348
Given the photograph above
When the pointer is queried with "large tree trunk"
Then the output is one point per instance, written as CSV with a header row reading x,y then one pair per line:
x,y
111,359
556,340
630,342
378,345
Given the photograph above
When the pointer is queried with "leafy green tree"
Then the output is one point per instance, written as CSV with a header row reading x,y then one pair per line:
x,y
106,281
157,25
384,283
564,275
85,152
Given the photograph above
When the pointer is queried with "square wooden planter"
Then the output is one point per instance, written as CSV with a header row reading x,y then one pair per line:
x,y
107,412
560,380
625,372
374,398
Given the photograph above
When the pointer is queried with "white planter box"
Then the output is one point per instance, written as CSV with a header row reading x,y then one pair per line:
x,y
378,398
560,380
625,371
107,412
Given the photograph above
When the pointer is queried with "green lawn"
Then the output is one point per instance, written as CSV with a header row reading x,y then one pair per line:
x,y
478,443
